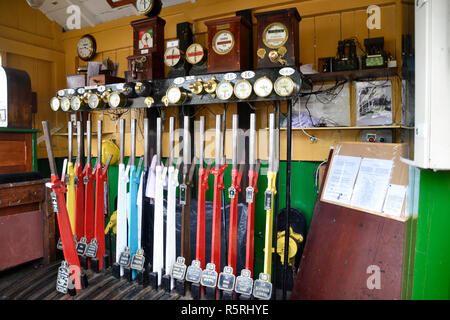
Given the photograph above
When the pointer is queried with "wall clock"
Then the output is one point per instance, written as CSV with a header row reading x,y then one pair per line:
x,y
150,8
86,47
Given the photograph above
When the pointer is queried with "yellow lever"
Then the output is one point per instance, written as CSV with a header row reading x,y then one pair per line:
x,y
112,223
268,248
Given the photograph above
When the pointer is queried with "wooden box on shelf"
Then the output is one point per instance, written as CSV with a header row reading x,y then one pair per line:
x,y
228,44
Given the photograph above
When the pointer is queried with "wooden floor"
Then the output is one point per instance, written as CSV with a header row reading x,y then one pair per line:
x,y
39,283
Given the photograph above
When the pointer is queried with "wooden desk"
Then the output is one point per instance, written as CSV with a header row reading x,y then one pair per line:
x,y
27,223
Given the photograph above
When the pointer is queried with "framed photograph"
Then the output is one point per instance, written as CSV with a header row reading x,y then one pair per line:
x,y
374,103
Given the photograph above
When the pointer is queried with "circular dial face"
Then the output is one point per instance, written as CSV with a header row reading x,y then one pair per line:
x,y
93,101
65,104
144,6
55,103
224,90
146,39
86,47
243,89
223,42
172,56
76,103
195,53
263,87
275,35
174,95
284,86
114,100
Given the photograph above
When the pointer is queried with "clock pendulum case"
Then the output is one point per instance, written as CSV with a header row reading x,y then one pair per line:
x,y
228,44
278,38
147,61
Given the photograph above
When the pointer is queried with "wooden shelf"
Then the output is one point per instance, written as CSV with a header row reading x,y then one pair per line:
x,y
94,134
349,128
353,75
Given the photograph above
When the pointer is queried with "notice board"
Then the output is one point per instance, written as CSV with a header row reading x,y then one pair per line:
x,y
355,246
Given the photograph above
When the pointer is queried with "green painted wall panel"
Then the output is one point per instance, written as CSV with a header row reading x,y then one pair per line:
x,y
432,258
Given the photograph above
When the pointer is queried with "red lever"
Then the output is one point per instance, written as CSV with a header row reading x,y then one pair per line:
x,y
79,202
203,175
89,203
68,243
101,175
216,223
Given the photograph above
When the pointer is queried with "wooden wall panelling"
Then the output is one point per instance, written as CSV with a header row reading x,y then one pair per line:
x,y
318,151
307,41
328,33
389,29
324,23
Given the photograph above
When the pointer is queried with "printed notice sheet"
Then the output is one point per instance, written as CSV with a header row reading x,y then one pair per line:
x,y
341,179
394,200
372,184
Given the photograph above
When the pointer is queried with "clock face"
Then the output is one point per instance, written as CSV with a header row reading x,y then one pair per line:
x,y
93,101
172,56
86,47
263,87
114,100
55,103
174,95
76,103
224,90
275,35
146,39
195,53
144,6
243,89
65,104
223,42
284,86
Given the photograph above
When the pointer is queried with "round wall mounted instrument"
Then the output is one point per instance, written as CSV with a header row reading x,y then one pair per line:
x,y
224,90
55,103
150,8
78,103
195,54
172,57
95,101
223,42
263,87
65,103
117,100
284,86
87,47
243,89
176,95
275,35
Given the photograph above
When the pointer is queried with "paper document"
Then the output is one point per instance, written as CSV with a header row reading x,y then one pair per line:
x,y
341,179
394,200
372,183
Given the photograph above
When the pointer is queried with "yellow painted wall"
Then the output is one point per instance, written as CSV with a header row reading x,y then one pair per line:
x,y
324,22
31,42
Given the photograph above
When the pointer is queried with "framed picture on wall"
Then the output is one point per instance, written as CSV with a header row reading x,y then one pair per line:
x,y
373,103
